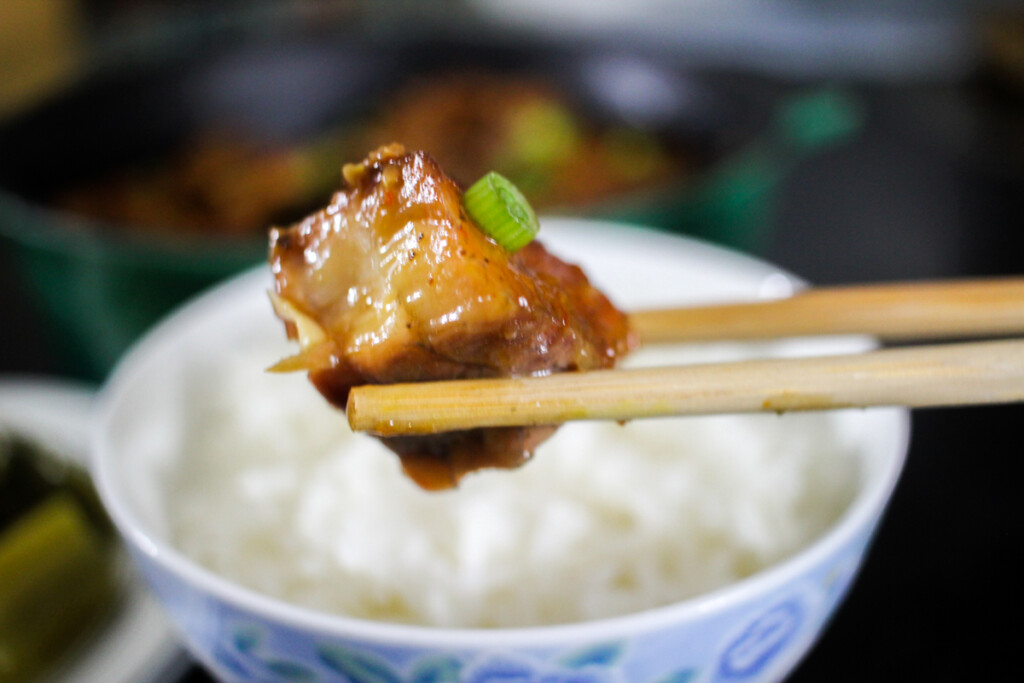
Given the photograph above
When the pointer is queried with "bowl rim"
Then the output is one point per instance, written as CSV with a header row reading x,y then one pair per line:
x,y
862,514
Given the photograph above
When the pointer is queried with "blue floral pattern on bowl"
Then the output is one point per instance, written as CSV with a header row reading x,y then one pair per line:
x,y
757,639
245,656
760,642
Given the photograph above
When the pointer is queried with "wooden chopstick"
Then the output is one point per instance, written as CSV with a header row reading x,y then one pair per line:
x,y
927,310
938,375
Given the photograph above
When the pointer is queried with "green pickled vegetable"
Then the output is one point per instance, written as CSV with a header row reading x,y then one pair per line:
x,y
56,580
29,474
58,560
501,211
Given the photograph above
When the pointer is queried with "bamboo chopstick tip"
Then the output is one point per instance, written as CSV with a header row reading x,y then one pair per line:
x,y
374,419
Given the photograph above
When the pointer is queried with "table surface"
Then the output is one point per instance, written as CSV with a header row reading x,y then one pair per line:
x,y
926,192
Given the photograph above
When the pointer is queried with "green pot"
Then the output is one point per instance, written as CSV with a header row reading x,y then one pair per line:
x,y
99,293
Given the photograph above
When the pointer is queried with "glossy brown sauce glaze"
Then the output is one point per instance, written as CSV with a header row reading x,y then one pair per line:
x,y
393,282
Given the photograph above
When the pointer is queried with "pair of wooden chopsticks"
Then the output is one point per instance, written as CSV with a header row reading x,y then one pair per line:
x,y
920,376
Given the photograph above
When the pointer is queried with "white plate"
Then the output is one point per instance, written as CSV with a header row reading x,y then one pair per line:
x,y
136,645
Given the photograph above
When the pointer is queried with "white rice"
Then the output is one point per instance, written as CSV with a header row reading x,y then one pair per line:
x,y
274,492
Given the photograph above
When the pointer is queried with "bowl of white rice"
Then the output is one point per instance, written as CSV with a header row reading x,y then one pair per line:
x,y
285,547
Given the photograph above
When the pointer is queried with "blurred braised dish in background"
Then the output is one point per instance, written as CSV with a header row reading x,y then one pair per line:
x,y
552,149
470,121
174,160
215,183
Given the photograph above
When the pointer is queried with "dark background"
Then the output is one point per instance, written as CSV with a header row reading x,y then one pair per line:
x,y
931,189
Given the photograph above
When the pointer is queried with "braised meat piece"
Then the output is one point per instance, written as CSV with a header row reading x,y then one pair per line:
x,y
393,282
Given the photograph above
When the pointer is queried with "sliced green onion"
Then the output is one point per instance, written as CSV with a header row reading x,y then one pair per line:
x,y
501,211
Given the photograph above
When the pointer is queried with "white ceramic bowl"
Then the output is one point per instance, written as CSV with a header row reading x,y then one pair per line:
x,y
754,629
